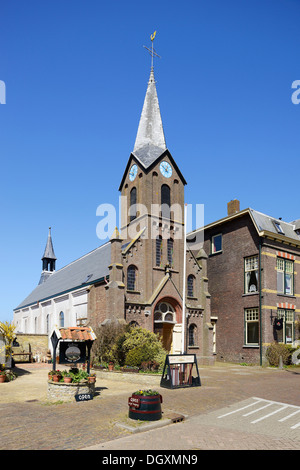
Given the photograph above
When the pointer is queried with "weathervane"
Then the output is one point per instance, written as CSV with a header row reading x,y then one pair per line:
x,y
152,50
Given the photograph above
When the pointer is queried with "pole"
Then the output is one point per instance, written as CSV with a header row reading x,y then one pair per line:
x,y
184,281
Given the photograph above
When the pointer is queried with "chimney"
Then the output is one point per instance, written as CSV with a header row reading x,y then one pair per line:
x,y
233,207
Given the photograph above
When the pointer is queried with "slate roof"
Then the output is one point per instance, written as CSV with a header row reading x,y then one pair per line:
x,y
81,272
49,251
267,223
263,223
150,130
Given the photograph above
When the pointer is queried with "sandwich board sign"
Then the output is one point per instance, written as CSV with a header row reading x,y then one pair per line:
x,y
180,370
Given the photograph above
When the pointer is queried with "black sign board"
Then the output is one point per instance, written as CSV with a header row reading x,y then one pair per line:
x,y
83,396
72,352
180,370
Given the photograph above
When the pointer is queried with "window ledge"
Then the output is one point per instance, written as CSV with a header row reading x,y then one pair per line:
x,y
250,293
132,291
216,253
254,346
193,347
290,296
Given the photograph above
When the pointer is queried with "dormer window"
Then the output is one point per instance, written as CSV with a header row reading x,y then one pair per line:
x,y
278,227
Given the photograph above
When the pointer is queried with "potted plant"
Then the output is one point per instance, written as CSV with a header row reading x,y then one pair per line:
x,y
2,376
67,377
92,378
56,376
111,365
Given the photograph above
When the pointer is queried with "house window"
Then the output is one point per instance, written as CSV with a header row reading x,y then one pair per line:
x,y
158,250
131,278
285,276
190,285
61,320
285,334
192,335
170,244
132,209
216,244
251,274
251,326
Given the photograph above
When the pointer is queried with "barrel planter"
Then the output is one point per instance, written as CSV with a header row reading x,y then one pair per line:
x,y
145,408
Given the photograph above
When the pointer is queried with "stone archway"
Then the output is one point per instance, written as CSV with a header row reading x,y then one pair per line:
x,y
167,318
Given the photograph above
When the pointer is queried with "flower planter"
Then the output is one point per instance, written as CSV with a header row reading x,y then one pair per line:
x,y
66,391
130,369
67,380
91,380
145,408
2,378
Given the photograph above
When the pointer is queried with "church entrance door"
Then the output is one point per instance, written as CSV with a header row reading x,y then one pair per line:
x,y
167,328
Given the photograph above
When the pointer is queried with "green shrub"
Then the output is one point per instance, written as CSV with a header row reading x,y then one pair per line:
x,y
275,350
141,345
136,356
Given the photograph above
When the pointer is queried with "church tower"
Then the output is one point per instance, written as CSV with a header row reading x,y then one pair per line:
x,y
152,229
48,260
146,280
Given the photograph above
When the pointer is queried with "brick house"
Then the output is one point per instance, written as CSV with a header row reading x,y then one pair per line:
x,y
136,277
252,266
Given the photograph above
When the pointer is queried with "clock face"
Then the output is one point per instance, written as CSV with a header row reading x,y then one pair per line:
x,y
165,169
133,172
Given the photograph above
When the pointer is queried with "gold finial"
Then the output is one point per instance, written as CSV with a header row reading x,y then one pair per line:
x,y
152,51
152,37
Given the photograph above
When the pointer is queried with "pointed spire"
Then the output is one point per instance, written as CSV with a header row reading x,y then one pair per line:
x,y
49,251
150,131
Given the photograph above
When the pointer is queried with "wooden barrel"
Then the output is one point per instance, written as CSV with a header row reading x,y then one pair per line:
x,y
145,408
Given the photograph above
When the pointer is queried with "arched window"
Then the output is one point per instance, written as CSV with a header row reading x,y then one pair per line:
x,y
158,250
132,209
164,312
131,277
170,244
191,285
61,320
192,335
165,201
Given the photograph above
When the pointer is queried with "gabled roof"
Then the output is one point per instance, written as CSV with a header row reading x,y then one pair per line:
x,y
147,164
80,273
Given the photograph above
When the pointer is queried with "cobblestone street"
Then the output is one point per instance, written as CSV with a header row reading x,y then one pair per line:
x,y
29,421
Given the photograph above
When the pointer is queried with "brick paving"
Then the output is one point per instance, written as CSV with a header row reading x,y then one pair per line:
x,y
28,421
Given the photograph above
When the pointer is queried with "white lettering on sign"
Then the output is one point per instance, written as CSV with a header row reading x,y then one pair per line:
x,y
134,402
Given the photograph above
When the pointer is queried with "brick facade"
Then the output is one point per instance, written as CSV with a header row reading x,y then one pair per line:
x,y
239,310
157,282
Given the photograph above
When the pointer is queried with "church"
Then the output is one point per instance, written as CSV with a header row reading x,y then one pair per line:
x,y
145,275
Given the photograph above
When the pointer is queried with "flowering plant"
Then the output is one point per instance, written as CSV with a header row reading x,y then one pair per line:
x,y
146,393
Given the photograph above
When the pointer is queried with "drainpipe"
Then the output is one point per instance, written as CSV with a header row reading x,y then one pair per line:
x,y
260,313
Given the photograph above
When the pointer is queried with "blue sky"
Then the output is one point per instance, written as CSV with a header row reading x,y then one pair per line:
x,y
76,74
